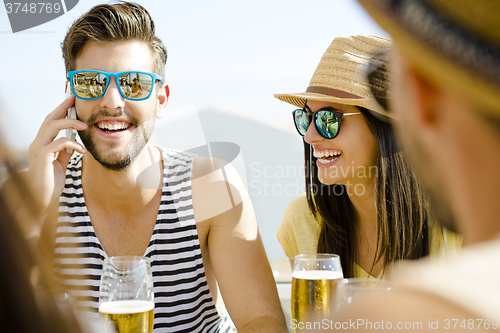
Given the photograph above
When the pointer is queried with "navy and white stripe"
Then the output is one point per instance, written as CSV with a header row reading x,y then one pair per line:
x,y
183,302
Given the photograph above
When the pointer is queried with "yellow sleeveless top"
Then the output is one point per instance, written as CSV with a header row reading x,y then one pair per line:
x,y
299,234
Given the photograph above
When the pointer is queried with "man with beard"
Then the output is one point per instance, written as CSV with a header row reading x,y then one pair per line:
x,y
447,98
179,220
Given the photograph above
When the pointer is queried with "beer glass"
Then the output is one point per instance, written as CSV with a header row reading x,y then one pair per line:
x,y
314,286
350,290
126,299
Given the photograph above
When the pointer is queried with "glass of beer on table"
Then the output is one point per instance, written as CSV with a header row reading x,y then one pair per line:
x,y
126,299
315,278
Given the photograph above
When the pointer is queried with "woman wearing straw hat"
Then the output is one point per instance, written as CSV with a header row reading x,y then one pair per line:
x,y
362,199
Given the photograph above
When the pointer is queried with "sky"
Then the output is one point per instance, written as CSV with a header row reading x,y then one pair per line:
x,y
229,55
223,55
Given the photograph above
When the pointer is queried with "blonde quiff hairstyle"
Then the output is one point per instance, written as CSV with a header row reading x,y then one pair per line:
x,y
117,22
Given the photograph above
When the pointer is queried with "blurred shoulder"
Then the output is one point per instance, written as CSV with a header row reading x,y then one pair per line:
x,y
12,184
419,310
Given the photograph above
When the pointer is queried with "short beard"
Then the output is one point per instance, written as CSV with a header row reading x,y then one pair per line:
x,y
119,165
135,147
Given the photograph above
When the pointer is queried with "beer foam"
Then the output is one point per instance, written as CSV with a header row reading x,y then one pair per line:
x,y
119,307
317,275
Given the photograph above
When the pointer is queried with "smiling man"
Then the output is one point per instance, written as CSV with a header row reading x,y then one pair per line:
x,y
195,244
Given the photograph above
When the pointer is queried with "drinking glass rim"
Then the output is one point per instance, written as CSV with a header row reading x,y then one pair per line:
x,y
317,256
127,263
127,258
350,282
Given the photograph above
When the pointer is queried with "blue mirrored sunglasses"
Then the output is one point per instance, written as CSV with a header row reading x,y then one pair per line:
x,y
133,85
327,122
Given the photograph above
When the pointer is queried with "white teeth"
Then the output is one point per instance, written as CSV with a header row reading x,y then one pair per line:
x,y
328,153
326,161
323,156
112,126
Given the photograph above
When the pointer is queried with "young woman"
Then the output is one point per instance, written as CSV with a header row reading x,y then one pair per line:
x,y
362,199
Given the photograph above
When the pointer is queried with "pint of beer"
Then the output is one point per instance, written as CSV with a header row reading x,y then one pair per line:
x,y
315,280
128,316
126,301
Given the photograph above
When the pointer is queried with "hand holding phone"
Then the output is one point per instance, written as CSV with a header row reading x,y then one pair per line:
x,y
48,160
70,132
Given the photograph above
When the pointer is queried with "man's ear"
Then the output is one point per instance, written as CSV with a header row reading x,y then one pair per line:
x,y
423,96
162,100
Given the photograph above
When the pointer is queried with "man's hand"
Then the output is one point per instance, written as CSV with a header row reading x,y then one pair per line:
x,y
48,159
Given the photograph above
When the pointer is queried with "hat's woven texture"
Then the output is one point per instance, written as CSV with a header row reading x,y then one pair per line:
x,y
454,43
343,68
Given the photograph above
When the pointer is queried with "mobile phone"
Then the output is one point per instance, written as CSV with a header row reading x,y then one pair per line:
x,y
70,132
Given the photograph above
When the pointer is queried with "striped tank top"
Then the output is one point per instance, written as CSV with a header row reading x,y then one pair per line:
x,y
183,302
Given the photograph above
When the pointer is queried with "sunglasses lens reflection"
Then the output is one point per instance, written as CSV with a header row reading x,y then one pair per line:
x,y
88,84
327,124
301,121
136,85
91,84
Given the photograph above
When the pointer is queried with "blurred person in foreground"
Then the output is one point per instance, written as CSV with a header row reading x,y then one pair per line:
x,y
119,195
30,300
446,69
363,201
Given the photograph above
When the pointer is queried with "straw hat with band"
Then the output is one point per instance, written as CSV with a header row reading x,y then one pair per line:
x,y
453,43
340,75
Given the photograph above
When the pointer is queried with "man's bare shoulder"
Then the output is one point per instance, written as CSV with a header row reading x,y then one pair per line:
x,y
204,166
216,186
421,310
201,166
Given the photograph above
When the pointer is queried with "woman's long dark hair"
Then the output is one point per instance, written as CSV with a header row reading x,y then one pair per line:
x,y
399,199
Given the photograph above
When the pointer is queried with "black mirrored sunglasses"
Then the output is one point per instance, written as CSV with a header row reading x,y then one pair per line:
x,y
326,121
